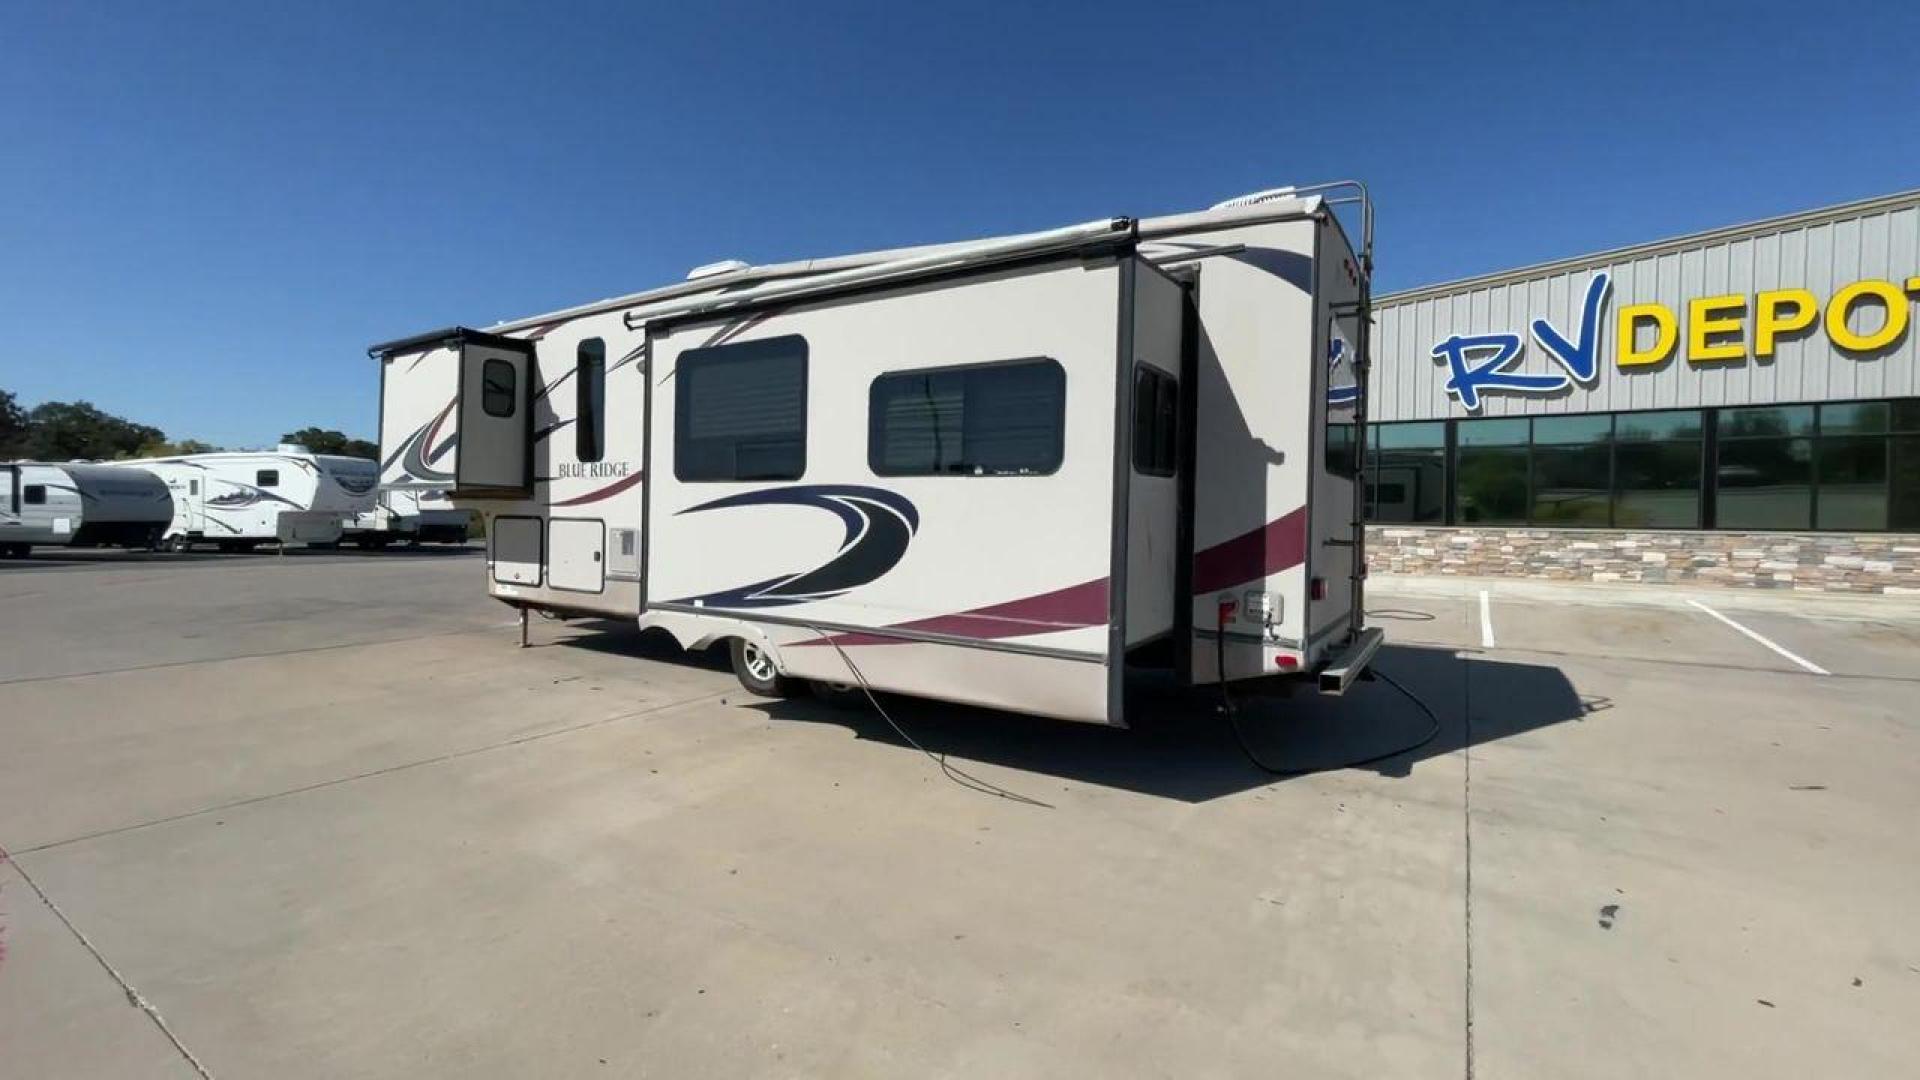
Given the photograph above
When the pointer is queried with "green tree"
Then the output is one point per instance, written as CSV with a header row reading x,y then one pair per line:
x,y
62,431
13,427
329,441
163,448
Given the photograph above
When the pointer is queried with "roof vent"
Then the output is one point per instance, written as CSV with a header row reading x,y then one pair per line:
x,y
715,269
290,448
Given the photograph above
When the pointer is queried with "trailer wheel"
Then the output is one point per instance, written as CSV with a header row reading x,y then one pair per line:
x,y
179,543
753,665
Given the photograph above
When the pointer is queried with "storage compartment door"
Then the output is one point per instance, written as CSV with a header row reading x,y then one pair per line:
x,y
514,544
576,555
496,418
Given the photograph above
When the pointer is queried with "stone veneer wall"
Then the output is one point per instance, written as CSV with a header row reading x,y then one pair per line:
x,y
1825,562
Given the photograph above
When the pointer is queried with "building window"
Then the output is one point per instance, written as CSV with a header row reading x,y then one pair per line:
x,y
34,495
1764,471
1490,472
1002,419
497,380
1656,470
1572,470
1156,420
267,478
740,411
1406,472
590,400
1903,468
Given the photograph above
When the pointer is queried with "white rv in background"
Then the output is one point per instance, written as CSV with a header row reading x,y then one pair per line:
x,y
1003,472
237,500
411,516
79,506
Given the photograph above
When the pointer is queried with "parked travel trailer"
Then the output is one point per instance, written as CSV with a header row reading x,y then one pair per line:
x,y
411,516
1004,472
79,506
239,500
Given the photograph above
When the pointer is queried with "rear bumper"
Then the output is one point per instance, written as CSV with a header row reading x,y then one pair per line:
x,y
1350,661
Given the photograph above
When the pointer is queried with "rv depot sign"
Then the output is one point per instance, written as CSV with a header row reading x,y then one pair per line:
x,y
1717,330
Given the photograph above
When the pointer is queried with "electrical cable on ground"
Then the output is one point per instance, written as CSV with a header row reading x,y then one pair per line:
x,y
953,772
1232,715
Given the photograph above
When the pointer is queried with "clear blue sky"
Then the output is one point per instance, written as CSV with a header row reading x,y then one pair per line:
x,y
207,212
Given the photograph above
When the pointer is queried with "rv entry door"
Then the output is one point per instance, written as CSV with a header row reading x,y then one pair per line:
x,y
496,416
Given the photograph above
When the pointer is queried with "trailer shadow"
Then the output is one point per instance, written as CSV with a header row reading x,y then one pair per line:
x,y
1179,746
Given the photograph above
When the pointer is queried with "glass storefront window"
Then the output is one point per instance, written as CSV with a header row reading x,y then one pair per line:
x,y
1490,485
1771,420
1903,496
1851,465
1651,426
1765,484
1563,430
1406,473
1852,473
1657,485
1571,485
1506,431
1854,418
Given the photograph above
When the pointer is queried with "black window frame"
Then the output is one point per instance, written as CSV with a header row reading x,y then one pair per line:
x,y
1156,444
266,478
33,495
488,395
590,400
734,351
876,419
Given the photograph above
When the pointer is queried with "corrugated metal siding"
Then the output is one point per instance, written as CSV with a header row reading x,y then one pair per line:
x,y
1818,252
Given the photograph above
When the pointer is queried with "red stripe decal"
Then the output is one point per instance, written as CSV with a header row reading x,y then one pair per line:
x,y
1265,551
1070,608
607,492
1274,547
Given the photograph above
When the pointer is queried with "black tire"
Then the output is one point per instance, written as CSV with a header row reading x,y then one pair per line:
x,y
227,546
756,672
179,543
15,551
839,695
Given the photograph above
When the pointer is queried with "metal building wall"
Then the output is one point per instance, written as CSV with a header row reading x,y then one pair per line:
x,y
1819,251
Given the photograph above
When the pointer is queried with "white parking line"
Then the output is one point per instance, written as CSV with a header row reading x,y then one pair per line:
x,y
1795,657
1486,621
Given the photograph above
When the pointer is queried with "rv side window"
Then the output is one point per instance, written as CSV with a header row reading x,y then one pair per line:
x,y
193,487
34,494
267,478
740,411
1156,421
497,379
590,400
1001,419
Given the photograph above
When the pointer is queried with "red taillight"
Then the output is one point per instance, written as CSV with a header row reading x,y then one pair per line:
x,y
1286,663
1319,588
1226,611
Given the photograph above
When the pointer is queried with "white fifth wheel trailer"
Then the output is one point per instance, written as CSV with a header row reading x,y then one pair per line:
x,y
411,516
237,500
79,506
1003,472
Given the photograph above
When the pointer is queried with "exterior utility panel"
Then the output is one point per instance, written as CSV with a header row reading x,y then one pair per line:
x,y
79,506
1002,472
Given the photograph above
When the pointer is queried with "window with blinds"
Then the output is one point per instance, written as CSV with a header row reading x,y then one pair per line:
x,y
999,419
740,411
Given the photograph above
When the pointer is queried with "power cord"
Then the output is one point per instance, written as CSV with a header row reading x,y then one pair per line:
x,y
952,772
1232,715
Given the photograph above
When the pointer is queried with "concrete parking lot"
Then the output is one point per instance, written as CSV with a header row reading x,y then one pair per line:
x,y
318,817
